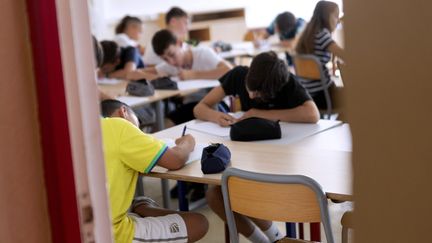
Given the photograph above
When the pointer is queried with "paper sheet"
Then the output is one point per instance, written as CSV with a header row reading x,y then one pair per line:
x,y
195,155
197,84
108,81
133,100
291,132
210,128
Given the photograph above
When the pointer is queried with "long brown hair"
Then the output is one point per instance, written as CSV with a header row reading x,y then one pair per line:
x,y
319,21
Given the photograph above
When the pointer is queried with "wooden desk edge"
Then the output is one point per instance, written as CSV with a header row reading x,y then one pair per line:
x,y
208,181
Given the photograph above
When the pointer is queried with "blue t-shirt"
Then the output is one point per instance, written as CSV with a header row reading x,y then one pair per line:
x,y
130,54
300,24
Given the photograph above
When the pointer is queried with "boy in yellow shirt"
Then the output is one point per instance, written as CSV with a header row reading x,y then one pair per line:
x,y
128,151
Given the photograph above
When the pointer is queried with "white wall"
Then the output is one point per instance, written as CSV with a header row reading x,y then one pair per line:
x,y
259,13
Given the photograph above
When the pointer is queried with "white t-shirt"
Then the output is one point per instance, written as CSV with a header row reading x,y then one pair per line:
x,y
124,41
203,59
151,58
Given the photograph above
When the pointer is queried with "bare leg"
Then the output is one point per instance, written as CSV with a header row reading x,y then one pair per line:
x,y
244,224
196,224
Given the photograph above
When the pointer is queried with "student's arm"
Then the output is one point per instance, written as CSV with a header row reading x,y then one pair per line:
x,y
104,96
122,73
222,67
151,70
307,112
141,74
204,109
336,50
175,158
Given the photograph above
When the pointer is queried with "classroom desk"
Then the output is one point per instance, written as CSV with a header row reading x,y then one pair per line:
x,y
330,167
247,49
185,88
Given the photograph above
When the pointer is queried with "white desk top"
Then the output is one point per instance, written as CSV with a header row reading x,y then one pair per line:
x,y
118,90
330,167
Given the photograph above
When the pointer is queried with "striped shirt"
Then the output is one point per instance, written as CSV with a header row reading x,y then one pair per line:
x,y
321,42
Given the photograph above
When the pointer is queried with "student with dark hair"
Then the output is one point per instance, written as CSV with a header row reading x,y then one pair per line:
x,y
128,32
98,54
286,26
265,90
177,21
189,63
128,151
122,63
317,40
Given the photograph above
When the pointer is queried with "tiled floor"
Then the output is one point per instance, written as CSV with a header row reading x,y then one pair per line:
x,y
215,234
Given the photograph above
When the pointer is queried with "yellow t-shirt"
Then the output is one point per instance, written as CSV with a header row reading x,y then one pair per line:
x,y
127,151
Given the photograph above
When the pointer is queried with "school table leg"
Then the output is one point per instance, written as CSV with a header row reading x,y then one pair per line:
x,y
139,191
182,200
165,193
290,230
315,230
160,116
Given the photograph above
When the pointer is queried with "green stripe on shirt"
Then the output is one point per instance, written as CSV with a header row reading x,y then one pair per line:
x,y
156,158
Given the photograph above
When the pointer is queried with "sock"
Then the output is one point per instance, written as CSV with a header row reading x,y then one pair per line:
x,y
257,236
273,233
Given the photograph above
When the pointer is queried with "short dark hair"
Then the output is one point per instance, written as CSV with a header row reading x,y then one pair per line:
x,y
108,107
285,22
175,12
111,52
124,22
98,52
267,74
162,40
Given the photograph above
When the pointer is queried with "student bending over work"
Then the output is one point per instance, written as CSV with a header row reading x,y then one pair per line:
x,y
177,21
122,63
266,90
187,63
128,151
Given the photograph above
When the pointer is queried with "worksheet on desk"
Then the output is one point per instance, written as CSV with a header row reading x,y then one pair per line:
x,y
197,84
108,81
196,153
133,100
291,132
213,128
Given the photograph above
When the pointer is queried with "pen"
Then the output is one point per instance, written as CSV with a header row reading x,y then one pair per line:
x,y
184,131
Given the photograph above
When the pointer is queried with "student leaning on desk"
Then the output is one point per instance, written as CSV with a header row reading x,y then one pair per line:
x,y
177,21
128,151
190,63
266,90
122,63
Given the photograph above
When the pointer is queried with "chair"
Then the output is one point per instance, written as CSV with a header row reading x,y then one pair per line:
x,y
347,223
286,198
308,68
